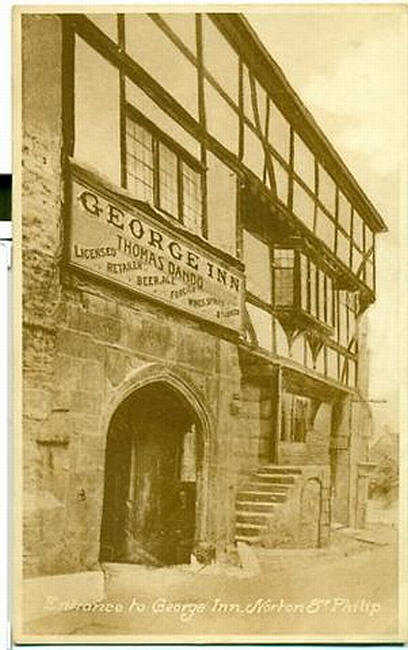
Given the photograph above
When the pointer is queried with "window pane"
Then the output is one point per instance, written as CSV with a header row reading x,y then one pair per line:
x,y
327,190
284,258
262,323
304,163
258,268
222,120
141,101
279,131
325,228
183,25
282,181
343,248
157,54
192,199
139,161
335,314
168,195
107,23
313,289
254,154
351,330
221,204
303,206
220,59
329,298
283,287
304,282
343,320
344,213
322,296
96,112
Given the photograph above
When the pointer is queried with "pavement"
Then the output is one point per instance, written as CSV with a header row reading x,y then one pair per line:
x,y
348,590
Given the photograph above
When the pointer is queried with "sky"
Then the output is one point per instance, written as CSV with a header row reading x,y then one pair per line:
x,y
349,67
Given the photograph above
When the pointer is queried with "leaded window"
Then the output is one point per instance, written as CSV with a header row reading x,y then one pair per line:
x,y
159,173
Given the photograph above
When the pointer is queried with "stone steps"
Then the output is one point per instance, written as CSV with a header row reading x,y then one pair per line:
x,y
248,539
276,469
258,496
248,530
268,488
274,479
252,518
254,506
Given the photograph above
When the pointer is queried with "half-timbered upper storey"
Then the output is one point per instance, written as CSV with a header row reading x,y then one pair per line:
x,y
189,114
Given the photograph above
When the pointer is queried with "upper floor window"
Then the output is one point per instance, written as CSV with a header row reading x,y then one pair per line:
x,y
139,161
298,282
283,263
161,175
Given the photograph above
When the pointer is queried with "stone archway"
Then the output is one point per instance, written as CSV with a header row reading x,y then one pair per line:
x,y
156,472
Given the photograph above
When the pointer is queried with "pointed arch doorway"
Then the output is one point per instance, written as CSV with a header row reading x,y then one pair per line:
x,y
153,478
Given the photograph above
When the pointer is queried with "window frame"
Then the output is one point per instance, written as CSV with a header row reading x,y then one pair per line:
x,y
183,157
285,265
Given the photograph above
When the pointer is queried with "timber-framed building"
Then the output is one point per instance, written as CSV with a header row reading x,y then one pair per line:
x,y
198,262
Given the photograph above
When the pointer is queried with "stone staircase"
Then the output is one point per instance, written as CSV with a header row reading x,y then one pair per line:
x,y
268,488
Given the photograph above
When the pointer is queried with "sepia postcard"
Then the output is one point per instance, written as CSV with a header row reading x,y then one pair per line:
x,y
210,331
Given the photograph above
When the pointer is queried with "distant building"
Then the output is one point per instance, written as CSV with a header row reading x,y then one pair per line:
x,y
198,261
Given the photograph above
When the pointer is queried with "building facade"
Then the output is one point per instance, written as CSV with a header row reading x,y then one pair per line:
x,y
197,264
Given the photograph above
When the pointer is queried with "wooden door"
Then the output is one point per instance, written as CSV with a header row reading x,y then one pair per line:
x,y
149,511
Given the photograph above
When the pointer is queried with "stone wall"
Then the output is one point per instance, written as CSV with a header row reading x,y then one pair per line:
x,y
102,341
82,341
303,521
351,431
252,445
42,199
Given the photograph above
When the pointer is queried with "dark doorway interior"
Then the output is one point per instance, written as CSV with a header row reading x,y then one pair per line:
x,y
151,474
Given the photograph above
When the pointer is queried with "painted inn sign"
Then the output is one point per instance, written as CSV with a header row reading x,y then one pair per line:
x,y
122,244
